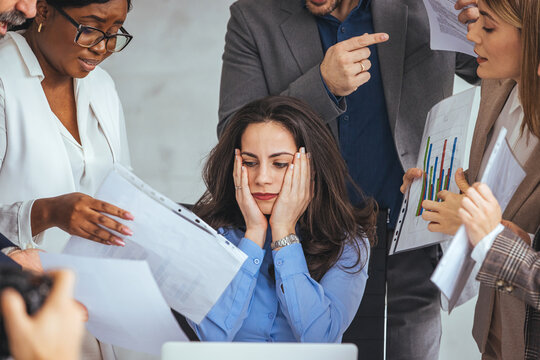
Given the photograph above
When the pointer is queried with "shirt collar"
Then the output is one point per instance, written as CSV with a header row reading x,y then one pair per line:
x,y
515,104
28,56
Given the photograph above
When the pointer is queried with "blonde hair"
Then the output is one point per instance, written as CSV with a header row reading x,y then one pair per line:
x,y
525,15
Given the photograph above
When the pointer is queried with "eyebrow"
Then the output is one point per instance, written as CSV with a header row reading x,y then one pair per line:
x,y
483,13
271,156
100,19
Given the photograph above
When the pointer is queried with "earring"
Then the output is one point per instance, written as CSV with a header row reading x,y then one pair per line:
x,y
39,27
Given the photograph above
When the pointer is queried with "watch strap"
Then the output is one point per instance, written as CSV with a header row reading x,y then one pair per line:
x,y
287,240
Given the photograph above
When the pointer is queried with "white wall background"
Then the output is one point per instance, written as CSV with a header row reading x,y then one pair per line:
x,y
168,81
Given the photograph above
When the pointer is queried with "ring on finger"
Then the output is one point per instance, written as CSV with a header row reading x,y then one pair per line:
x,y
238,187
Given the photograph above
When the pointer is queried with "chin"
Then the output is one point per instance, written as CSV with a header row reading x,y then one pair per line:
x,y
265,207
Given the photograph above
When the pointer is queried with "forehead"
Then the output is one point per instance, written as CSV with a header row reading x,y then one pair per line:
x,y
111,10
266,138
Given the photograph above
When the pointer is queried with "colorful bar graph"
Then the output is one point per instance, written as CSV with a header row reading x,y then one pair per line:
x,y
436,178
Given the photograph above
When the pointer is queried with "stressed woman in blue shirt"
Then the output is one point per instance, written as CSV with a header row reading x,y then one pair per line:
x,y
277,189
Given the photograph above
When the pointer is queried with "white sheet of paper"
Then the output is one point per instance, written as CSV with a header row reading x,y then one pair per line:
x,y
447,33
503,174
125,306
445,147
191,262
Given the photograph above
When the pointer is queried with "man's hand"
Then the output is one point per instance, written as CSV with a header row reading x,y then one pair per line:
x,y
345,65
28,259
54,332
469,13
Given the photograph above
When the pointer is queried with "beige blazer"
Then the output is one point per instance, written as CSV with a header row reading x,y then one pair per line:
x,y
495,307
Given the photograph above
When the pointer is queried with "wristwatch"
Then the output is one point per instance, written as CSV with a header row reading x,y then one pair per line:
x,y
287,240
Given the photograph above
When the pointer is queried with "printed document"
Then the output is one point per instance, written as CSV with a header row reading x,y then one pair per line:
x,y
191,262
503,174
447,33
125,306
445,147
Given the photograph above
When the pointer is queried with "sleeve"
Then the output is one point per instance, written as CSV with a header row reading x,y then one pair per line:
x,y
481,249
513,267
14,218
319,311
466,66
225,319
243,78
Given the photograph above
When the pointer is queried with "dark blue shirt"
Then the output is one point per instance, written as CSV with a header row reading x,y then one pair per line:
x,y
365,137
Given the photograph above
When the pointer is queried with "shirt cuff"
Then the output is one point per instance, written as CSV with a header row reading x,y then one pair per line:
x,y
481,249
336,100
25,226
290,260
255,255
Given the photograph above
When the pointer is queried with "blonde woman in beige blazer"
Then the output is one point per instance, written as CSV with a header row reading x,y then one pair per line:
x,y
507,41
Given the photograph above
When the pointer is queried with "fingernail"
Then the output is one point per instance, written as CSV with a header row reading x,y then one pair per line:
x,y
303,150
309,155
235,151
127,231
298,155
118,242
129,216
384,37
291,166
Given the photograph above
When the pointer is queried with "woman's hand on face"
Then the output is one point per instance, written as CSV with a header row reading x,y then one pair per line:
x,y
81,215
294,197
409,177
256,223
480,212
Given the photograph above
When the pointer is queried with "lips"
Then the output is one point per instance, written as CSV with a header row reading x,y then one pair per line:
x,y
480,59
264,196
318,2
88,64
3,27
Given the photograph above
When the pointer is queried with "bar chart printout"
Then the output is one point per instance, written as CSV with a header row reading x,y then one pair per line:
x,y
436,178
445,147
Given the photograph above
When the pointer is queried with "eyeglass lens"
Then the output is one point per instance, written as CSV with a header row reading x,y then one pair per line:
x,y
89,37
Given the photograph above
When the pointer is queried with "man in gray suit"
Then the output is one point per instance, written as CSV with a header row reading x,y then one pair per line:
x,y
375,100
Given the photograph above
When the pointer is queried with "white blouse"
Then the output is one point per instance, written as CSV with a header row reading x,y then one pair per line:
x,y
102,132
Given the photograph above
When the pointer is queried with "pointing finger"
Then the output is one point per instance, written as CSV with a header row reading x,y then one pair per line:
x,y
358,42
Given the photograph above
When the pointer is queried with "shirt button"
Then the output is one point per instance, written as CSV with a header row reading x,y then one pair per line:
x,y
346,118
279,262
500,283
256,261
342,29
509,288
270,316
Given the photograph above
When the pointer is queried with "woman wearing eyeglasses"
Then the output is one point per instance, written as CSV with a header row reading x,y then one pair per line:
x,y
61,124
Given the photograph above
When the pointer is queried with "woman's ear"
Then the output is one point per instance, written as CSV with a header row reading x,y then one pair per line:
x,y
42,12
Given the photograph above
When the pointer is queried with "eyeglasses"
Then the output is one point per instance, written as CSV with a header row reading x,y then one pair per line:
x,y
88,36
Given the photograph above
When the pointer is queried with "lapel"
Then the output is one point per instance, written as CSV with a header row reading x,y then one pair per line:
x,y
302,34
527,186
87,98
391,17
494,96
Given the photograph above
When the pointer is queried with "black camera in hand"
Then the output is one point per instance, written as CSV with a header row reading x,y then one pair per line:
x,y
34,289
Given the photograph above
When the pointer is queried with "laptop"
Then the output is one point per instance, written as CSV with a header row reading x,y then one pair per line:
x,y
258,351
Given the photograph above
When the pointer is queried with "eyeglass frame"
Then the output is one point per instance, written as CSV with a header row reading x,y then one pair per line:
x,y
105,37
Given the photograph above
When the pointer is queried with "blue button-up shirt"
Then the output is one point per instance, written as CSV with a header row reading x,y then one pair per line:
x,y
365,137
289,306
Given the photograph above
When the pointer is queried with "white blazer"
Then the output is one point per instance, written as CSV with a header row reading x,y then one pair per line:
x,y
36,163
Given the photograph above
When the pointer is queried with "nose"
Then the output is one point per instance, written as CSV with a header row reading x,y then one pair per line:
x,y
472,34
100,48
263,176
27,7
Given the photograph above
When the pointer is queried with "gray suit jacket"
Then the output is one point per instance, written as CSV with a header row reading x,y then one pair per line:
x,y
492,306
273,47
